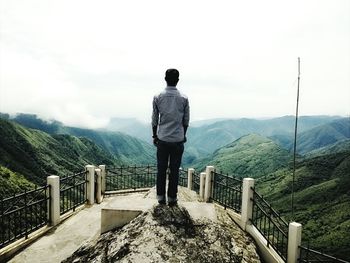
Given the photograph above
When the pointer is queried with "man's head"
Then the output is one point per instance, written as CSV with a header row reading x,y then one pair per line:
x,y
172,77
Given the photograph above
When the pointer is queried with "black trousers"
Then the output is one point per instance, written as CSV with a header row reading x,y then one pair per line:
x,y
168,153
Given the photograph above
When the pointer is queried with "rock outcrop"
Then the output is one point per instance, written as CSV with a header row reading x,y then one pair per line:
x,y
169,234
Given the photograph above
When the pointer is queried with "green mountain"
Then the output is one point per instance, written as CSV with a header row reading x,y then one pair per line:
x,y
321,200
36,154
249,156
208,138
323,135
125,148
204,137
340,146
128,149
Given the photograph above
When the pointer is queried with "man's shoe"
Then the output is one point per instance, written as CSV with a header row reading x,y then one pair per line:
x,y
172,203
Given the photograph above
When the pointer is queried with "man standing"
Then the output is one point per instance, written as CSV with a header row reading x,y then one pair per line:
x,y
170,119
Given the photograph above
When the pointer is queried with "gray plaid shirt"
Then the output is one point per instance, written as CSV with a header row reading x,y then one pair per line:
x,y
171,112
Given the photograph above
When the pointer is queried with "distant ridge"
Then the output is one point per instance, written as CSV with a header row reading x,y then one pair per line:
x,y
324,135
338,147
249,156
124,147
208,138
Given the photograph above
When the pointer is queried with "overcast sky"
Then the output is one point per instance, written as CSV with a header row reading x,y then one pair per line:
x,y
83,62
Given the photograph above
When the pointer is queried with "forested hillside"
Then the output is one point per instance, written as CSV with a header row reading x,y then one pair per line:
x,y
123,147
36,154
322,200
340,146
249,156
322,193
11,182
323,135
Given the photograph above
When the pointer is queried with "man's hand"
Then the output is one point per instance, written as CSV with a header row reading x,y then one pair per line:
x,y
185,140
155,140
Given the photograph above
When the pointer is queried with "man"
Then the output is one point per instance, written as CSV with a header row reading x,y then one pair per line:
x,y
170,120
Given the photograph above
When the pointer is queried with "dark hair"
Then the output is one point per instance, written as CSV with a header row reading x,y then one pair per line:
x,y
172,76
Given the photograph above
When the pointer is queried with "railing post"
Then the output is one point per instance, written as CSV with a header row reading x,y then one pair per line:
x,y
208,183
190,178
54,206
201,186
247,203
103,175
90,186
294,241
98,186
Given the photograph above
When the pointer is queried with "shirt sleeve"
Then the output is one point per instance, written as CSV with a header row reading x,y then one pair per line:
x,y
155,113
186,118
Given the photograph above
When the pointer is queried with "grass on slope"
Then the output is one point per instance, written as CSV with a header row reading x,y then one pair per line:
x,y
321,198
11,183
249,156
36,154
126,149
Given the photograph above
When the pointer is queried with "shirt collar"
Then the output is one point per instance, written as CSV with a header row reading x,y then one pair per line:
x,y
171,88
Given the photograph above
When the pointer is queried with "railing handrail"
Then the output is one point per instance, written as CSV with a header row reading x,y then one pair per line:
x,y
33,202
25,193
270,207
73,191
132,175
321,254
65,177
270,224
129,166
237,179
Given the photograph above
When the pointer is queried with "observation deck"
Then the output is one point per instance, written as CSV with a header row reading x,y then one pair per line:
x,y
84,225
49,223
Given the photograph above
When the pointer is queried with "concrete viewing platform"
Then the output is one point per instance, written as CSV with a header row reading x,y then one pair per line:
x,y
84,226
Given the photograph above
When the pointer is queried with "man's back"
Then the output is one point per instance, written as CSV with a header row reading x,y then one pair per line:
x,y
171,113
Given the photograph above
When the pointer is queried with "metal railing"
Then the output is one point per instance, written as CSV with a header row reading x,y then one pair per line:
x,y
183,177
130,177
72,191
308,255
270,224
24,213
196,182
227,191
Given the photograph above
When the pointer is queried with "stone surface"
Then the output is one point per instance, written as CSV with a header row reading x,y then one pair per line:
x,y
170,234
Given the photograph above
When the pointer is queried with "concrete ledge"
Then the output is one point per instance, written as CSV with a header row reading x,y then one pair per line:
x,y
112,218
127,191
12,249
267,253
237,218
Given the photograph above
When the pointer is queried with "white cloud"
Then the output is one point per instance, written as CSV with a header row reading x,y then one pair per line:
x,y
83,62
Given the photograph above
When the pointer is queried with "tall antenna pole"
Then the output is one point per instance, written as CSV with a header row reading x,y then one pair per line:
x,y
295,139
